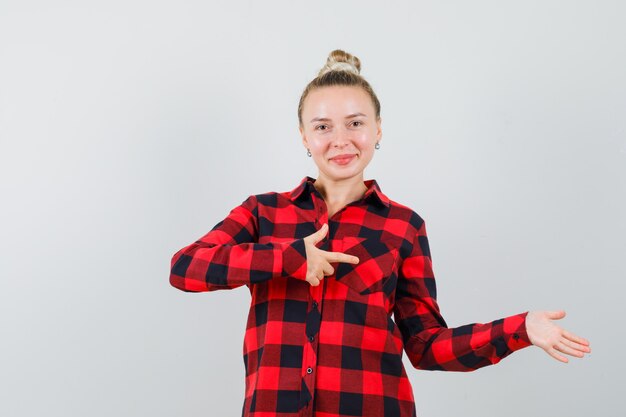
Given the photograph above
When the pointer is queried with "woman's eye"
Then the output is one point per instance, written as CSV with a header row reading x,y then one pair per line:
x,y
357,123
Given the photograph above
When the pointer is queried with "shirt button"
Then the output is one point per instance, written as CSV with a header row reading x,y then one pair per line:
x,y
309,370
314,304
311,338
515,336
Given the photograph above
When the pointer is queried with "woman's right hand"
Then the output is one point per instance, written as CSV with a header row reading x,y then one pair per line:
x,y
318,260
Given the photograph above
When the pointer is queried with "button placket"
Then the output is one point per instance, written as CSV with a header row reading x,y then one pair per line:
x,y
321,213
314,315
312,327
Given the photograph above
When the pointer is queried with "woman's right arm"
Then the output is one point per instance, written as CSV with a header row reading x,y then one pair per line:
x,y
228,255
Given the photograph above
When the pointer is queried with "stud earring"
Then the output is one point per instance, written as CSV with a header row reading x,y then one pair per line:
x,y
308,153
377,146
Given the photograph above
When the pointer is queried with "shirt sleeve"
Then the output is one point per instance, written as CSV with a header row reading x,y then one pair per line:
x,y
428,341
228,256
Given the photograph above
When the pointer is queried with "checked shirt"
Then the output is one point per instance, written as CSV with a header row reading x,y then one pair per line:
x,y
336,349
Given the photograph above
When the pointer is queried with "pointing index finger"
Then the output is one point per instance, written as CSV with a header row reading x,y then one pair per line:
x,y
341,257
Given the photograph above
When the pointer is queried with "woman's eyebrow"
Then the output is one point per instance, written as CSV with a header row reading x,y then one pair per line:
x,y
325,119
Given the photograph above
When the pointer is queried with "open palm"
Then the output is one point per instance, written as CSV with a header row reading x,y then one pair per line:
x,y
544,333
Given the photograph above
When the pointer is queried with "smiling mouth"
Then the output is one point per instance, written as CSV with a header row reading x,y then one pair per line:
x,y
343,159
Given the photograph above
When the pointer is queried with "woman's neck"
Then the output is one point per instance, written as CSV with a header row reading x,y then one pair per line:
x,y
342,192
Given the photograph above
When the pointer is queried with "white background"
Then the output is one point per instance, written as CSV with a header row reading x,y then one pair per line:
x,y
129,128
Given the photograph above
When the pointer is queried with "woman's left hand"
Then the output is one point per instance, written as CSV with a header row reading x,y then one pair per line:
x,y
544,333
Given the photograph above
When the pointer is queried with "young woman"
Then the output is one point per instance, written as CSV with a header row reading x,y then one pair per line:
x,y
341,277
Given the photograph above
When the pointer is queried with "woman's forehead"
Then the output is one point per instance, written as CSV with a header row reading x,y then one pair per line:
x,y
337,102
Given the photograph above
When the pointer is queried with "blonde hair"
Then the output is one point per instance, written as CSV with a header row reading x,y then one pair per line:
x,y
341,69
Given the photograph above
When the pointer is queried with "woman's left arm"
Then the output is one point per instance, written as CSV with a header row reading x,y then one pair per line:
x,y
430,344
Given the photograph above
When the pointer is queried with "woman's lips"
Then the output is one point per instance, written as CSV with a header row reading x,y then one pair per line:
x,y
343,159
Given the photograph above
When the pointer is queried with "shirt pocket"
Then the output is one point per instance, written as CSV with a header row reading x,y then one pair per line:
x,y
377,262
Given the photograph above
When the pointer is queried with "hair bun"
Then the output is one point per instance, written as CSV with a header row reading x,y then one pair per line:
x,y
339,60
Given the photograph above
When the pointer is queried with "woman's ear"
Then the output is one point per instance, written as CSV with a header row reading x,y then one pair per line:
x,y
379,130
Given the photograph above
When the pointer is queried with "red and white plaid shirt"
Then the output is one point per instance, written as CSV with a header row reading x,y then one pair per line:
x,y
336,349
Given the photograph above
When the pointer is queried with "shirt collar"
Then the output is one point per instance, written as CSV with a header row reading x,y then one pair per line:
x,y
373,189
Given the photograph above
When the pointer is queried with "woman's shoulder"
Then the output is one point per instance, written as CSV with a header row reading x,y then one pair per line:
x,y
403,211
269,198
273,199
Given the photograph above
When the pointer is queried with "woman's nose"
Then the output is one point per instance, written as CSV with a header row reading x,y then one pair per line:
x,y
342,137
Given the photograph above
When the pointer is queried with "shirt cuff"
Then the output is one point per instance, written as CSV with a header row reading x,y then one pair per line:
x,y
514,332
290,257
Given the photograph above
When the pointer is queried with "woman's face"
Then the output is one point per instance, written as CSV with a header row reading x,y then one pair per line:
x,y
340,128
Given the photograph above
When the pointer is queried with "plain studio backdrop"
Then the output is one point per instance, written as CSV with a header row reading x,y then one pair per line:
x,y
128,129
